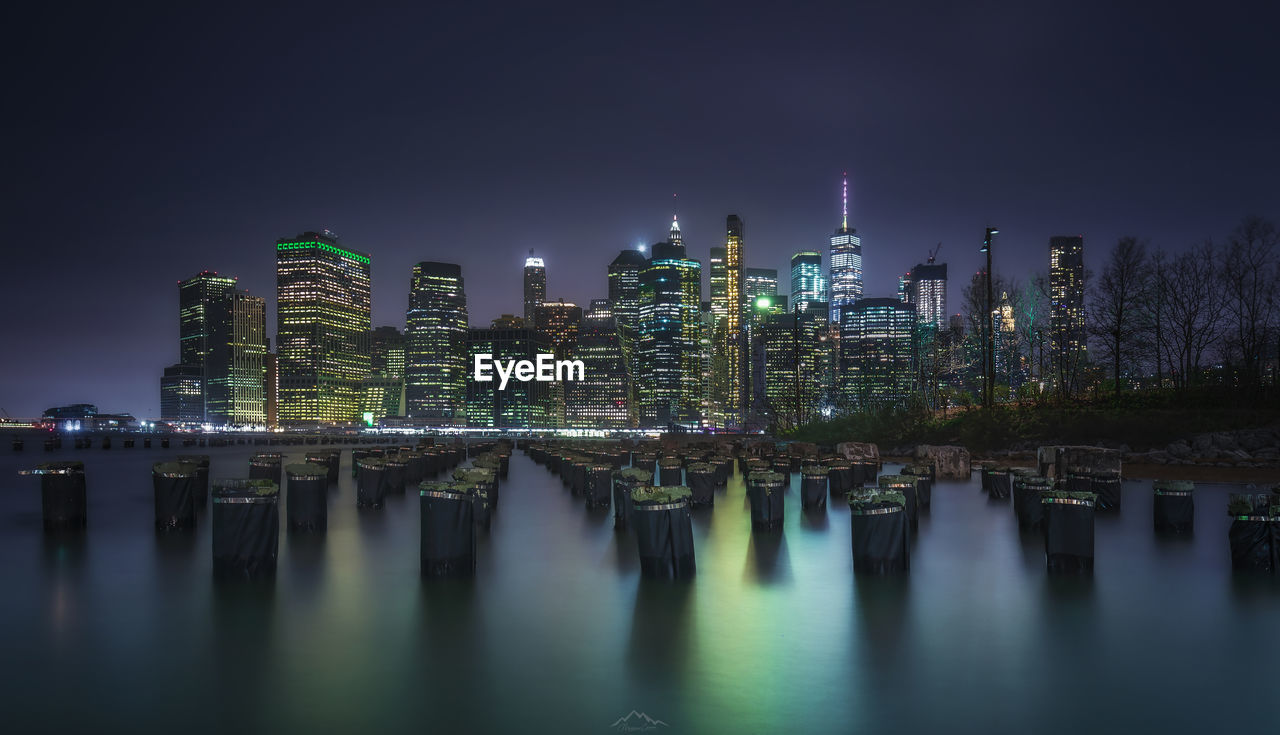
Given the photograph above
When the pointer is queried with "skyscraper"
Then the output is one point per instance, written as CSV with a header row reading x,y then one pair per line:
x,y
322,319
383,389
807,281
599,309
760,282
197,327
736,353
877,352
203,321
719,284
1066,306
182,394
926,287
668,335
601,400
624,286
846,263
523,405
235,372
436,345
535,287
559,321
222,343
624,295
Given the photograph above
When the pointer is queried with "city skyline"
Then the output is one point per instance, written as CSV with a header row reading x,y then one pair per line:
x,y
941,137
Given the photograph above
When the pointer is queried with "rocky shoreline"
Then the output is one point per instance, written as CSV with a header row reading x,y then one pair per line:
x,y
1247,455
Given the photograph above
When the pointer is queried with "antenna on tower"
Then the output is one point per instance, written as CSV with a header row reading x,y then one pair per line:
x,y
845,200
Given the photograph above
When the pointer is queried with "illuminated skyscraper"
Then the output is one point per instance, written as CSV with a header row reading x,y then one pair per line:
x,y
223,342
535,287
624,295
877,353
601,400
235,375
719,285
736,353
559,321
1066,295
668,336
203,321
600,309
846,263
322,319
436,345
523,405
926,287
624,286
712,410
383,389
807,281
197,327
507,321
760,282
182,394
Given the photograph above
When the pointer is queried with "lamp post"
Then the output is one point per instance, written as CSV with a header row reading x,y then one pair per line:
x,y
988,323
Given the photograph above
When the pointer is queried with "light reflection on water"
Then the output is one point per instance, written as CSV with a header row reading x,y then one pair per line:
x,y
559,634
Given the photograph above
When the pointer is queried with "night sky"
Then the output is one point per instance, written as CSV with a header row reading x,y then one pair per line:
x,y
146,145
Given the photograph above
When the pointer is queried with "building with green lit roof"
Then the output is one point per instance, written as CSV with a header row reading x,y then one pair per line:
x,y
323,322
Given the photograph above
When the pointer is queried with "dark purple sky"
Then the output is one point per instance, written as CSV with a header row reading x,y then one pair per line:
x,y
146,145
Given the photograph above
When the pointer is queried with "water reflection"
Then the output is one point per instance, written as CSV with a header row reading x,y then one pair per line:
x,y
767,561
305,554
242,642
880,608
557,632
175,549
814,519
661,630
64,553
1031,544
626,553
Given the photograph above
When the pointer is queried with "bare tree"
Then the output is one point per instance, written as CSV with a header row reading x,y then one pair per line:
x,y
1193,301
1032,318
1116,301
1249,295
1155,309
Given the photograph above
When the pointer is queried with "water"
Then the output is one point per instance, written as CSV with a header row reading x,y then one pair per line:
x,y
558,633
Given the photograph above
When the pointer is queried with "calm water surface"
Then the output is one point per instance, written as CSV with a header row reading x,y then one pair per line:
x,y
127,633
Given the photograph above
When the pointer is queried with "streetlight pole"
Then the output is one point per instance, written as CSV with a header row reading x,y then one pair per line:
x,y
989,349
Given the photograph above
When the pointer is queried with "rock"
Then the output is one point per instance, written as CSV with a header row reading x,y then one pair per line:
x,y
804,449
1224,440
859,451
1179,449
950,462
1257,439
1094,460
1202,443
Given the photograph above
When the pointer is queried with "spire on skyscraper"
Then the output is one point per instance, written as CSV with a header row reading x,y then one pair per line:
x,y
675,214
845,201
